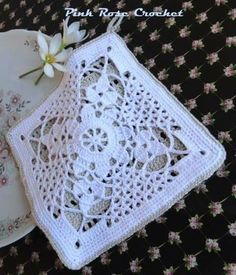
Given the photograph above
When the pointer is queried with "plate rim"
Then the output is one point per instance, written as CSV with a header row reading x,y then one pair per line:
x,y
31,224
22,30
7,241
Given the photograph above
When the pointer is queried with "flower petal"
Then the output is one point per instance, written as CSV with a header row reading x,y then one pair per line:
x,y
140,140
65,22
145,134
59,67
46,139
43,45
62,56
155,148
42,54
65,27
55,44
140,154
87,111
80,35
48,70
102,84
124,157
91,94
127,132
74,37
102,168
109,97
74,27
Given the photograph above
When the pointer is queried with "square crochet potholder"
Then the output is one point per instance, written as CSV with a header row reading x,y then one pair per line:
x,y
109,151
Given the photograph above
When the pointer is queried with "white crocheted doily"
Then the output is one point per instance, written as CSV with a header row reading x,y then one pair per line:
x,y
110,150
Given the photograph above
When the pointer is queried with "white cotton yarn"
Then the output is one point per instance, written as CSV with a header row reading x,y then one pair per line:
x,y
109,151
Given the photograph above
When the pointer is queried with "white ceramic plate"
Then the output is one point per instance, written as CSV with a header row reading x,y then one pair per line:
x,y
18,97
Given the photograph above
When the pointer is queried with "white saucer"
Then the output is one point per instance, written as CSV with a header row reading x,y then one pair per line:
x,y
18,97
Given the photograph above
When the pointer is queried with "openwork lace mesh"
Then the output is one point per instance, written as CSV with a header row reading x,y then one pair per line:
x,y
103,146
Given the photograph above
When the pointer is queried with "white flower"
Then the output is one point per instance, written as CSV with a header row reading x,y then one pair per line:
x,y
142,26
138,50
87,270
142,233
221,2
190,261
231,41
179,60
167,48
194,73
1,262
191,103
229,71
154,36
169,271
187,5
58,265
154,253
20,269
71,33
170,22
209,88
150,63
135,266
212,58
232,14
208,119
216,28
227,104
161,219
162,75
201,17
51,54
179,205
230,268
197,44
194,222
35,257
13,251
176,88
123,247
215,208
212,245
184,32
105,260
232,229
174,238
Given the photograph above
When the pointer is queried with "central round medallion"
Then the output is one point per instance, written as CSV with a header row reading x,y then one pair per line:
x,y
95,140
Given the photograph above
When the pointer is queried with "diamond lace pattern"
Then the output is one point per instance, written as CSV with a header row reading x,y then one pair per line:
x,y
107,151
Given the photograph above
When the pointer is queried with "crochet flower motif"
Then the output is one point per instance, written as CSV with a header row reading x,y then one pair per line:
x,y
96,140
147,145
104,147
106,94
97,137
